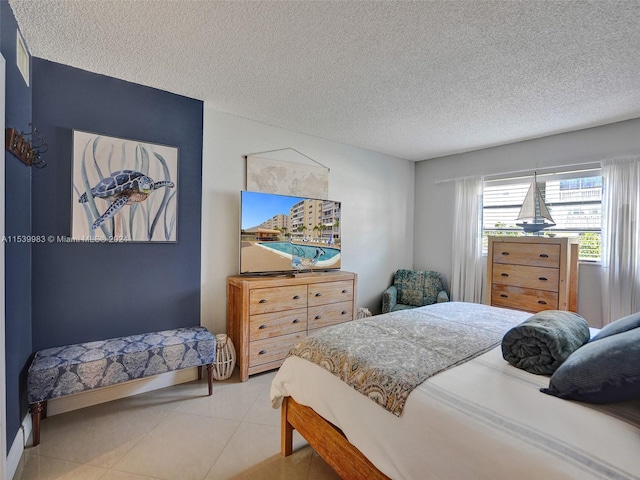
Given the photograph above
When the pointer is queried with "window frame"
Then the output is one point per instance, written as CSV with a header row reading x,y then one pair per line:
x,y
544,176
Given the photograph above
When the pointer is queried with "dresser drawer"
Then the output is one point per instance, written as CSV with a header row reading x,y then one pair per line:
x,y
266,300
538,278
534,254
267,325
527,299
268,315
325,315
272,349
330,292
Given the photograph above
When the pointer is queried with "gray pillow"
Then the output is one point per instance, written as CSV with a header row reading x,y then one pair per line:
x,y
604,371
621,325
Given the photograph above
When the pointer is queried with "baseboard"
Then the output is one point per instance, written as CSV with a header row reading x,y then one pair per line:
x,y
17,447
57,406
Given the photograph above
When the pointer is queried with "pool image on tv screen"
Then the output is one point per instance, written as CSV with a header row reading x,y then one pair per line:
x,y
281,233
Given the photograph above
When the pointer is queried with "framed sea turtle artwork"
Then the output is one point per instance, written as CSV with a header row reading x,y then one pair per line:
x,y
123,190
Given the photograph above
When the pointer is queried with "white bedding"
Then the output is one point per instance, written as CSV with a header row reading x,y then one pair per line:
x,y
481,420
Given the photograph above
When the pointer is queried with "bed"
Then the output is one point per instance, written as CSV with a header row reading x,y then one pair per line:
x,y
482,418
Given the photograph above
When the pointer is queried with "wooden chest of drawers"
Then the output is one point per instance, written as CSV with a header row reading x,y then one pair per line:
x,y
266,316
532,273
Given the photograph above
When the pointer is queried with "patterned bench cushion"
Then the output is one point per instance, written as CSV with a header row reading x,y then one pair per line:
x,y
60,371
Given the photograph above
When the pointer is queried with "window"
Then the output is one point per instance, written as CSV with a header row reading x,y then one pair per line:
x,y
574,200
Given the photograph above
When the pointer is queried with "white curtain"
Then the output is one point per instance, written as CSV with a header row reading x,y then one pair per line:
x,y
620,238
467,269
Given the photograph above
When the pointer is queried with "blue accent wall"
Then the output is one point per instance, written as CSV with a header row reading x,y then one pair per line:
x,y
90,291
17,222
59,293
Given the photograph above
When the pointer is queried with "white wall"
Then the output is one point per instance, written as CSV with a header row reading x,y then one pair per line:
x,y
376,191
434,200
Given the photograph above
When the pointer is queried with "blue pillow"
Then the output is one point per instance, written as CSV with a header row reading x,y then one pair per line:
x,y
621,325
605,371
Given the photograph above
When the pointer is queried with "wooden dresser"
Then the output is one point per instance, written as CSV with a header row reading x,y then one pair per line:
x,y
266,316
532,273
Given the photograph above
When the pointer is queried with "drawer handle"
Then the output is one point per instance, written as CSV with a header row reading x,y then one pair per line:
x,y
262,327
544,279
544,255
296,321
264,300
504,296
345,291
344,312
542,302
262,352
296,297
318,294
318,317
505,253
504,274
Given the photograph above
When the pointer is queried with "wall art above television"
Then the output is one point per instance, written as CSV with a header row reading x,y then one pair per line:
x,y
123,190
281,233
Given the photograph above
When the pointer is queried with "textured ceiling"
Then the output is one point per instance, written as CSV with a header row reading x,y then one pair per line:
x,y
415,80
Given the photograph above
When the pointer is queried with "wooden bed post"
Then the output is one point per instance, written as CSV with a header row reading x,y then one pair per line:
x,y
327,440
286,436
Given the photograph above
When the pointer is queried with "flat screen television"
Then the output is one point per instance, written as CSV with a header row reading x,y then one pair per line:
x,y
280,233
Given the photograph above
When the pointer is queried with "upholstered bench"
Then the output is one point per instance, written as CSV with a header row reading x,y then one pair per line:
x,y
60,371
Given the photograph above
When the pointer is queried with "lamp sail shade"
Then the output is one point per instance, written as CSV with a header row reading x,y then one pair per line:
x,y
534,214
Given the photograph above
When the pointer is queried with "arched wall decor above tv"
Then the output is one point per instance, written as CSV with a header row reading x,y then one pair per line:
x,y
280,172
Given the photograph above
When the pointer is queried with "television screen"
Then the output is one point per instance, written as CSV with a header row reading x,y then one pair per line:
x,y
280,233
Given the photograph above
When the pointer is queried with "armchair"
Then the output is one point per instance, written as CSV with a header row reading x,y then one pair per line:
x,y
413,288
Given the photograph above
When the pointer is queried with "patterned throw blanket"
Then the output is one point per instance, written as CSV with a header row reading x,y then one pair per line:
x,y
385,357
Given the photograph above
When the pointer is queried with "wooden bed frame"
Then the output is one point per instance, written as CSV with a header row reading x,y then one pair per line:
x,y
327,440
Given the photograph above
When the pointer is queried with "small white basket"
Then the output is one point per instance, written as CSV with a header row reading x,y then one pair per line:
x,y
225,357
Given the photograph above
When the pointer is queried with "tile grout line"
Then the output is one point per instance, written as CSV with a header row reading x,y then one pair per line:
x,y
234,432
112,468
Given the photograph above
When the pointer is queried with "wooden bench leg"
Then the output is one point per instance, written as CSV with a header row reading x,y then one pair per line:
x,y
37,410
210,377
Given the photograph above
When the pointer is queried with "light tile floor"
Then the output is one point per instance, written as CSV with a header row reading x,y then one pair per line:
x,y
175,433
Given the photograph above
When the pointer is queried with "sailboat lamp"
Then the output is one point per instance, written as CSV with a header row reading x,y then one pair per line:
x,y
534,215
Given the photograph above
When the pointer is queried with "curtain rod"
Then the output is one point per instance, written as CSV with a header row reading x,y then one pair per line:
x,y
528,170
289,148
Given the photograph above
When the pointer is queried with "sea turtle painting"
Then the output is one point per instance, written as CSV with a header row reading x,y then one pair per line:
x,y
123,187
